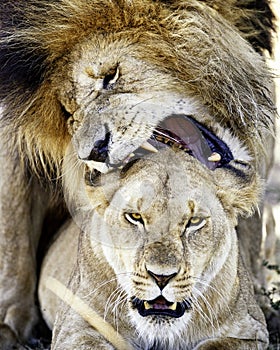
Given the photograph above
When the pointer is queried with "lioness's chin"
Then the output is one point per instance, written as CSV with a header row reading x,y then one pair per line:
x,y
156,329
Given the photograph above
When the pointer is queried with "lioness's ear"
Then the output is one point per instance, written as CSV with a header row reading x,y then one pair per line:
x,y
239,187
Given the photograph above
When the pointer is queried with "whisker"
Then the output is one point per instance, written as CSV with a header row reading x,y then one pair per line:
x,y
118,307
210,309
199,310
104,283
200,280
203,314
74,162
142,101
110,302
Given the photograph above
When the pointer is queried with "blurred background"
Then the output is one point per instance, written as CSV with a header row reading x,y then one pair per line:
x,y
273,190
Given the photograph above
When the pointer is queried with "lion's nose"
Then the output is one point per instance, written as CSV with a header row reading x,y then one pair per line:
x,y
161,280
100,150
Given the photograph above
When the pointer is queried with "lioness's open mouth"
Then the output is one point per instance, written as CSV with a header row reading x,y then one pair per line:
x,y
161,307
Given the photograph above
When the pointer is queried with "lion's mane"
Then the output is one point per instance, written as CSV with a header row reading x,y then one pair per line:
x,y
37,35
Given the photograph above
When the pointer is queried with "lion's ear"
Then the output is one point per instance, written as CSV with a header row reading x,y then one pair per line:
x,y
239,188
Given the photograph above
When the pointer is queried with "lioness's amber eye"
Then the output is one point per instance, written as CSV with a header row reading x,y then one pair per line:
x,y
196,222
134,218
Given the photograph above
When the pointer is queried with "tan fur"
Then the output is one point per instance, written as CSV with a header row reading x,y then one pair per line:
x,y
187,37
115,256
186,57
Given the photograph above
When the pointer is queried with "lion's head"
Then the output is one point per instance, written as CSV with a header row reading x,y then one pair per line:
x,y
111,75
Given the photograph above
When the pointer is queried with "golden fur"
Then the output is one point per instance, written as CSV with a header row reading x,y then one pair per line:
x,y
190,38
186,232
76,70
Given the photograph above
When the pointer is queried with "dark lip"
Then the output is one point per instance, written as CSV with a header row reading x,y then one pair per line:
x,y
160,307
185,133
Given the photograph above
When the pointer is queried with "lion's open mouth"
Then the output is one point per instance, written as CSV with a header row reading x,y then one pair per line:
x,y
185,133
160,307
181,133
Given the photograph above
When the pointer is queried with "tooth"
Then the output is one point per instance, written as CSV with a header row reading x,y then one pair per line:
x,y
148,147
102,167
147,306
131,155
173,306
215,157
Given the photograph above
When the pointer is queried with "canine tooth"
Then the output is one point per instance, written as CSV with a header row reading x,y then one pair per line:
x,y
102,167
173,306
148,147
215,157
147,306
131,155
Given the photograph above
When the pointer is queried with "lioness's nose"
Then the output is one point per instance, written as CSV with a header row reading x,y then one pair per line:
x,y
162,280
99,153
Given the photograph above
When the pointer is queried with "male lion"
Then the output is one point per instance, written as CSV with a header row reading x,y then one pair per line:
x,y
110,75
158,258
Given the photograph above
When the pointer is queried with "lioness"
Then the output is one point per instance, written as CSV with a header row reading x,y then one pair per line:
x,y
159,258
116,77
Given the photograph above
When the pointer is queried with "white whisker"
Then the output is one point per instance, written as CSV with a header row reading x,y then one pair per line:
x,y
211,311
111,302
200,311
114,279
200,280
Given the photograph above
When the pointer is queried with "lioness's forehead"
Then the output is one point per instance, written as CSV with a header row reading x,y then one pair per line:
x,y
168,176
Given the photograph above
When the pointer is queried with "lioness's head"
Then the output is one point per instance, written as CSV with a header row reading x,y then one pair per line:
x,y
166,225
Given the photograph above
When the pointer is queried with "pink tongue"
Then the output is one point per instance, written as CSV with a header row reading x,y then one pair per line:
x,y
159,307
160,304
185,130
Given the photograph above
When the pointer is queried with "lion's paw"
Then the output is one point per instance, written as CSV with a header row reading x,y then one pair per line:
x,y
8,339
17,325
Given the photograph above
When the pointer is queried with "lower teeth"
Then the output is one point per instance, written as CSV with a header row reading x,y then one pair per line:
x,y
148,306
